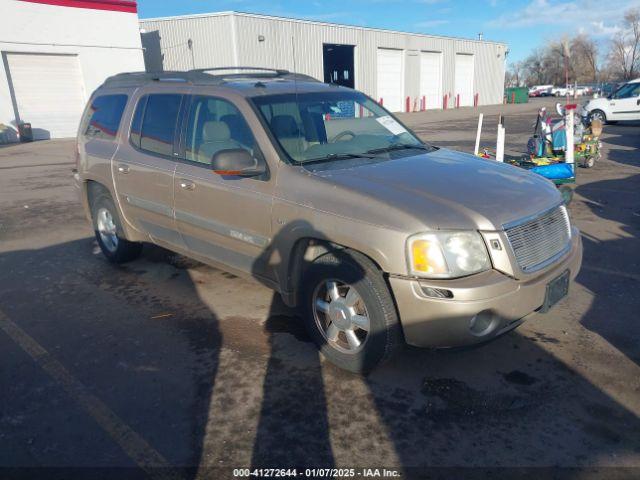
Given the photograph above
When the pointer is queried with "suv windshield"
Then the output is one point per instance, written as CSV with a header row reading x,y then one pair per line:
x,y
319,126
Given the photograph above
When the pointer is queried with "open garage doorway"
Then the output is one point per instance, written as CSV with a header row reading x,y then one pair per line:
x,y
338,64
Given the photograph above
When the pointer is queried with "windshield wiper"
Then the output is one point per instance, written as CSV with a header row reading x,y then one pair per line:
x,y
400,146
338,156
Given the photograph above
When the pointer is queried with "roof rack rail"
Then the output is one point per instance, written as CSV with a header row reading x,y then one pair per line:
x,y
211,76
276,71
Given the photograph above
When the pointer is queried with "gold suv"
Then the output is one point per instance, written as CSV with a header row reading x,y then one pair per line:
x,y
323,195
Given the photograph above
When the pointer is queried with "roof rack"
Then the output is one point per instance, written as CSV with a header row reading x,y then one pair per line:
x,y
203,76
275,71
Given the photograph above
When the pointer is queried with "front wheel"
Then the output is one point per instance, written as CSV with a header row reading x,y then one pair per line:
x,y
349,311
598,115
567,194
109,233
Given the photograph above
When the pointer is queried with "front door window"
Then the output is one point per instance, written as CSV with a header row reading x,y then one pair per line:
x,y
214,125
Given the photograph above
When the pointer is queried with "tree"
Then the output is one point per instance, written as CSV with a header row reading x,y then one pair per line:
x,y
533,66
514,75
624,54
585,54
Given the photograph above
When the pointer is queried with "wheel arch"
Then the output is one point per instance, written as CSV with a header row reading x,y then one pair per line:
x,y
91,189
304,252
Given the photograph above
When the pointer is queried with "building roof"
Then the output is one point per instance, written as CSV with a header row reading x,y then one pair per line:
x,y
313,22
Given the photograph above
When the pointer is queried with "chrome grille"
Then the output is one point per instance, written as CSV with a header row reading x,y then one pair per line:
x,y
537,242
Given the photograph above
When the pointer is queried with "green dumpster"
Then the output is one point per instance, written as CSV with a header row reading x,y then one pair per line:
x,y
516,95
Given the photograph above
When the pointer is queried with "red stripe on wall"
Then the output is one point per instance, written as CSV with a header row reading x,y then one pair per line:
x,y
112,5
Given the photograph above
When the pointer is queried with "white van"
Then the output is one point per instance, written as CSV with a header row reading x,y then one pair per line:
x,y
623,104
540,90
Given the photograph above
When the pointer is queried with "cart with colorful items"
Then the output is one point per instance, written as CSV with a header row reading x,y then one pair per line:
x,y
551,152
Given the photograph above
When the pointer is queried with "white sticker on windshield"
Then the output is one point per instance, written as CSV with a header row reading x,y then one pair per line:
x,y
390,124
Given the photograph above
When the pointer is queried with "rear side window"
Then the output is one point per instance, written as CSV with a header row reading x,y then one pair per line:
x,y
104,115
154,124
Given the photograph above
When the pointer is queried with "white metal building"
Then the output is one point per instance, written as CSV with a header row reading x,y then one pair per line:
x,y
55,53
404,71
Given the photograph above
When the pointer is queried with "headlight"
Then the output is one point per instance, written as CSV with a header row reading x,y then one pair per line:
x,y
447,254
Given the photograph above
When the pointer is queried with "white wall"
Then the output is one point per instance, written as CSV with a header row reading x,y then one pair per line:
x,y
226,39
105,42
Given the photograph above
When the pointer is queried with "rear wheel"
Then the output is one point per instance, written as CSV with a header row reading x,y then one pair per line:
x,y
349,311
109,233
589,162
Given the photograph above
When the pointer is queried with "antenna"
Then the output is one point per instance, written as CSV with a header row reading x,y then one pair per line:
x,y
295,68
295,78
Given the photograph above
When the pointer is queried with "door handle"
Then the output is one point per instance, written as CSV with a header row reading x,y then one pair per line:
x,y
638,102
122,168
186,184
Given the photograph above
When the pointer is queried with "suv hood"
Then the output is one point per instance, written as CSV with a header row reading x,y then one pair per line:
x,y
444,189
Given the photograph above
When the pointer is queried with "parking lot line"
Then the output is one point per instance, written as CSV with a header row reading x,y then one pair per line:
x,y
136,447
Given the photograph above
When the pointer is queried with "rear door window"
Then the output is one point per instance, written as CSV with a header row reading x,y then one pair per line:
x,y
158,128
136,123
103,117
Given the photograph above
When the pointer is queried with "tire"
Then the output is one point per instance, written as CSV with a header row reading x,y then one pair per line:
x,y
588,162
598,115
355,277
567,194
109,233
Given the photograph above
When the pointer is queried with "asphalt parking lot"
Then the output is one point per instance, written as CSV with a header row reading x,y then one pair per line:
x,y
165,362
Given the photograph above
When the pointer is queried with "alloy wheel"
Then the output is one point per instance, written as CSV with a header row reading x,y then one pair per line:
x,y
107,229
341,316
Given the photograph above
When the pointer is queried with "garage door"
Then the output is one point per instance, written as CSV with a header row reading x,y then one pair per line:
x,y
49,92
464,79
431,79
390,78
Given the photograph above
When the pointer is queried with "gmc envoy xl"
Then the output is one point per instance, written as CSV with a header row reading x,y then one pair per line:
x,y
318,192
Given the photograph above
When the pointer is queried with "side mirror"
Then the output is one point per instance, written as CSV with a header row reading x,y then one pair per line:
x,y
237,162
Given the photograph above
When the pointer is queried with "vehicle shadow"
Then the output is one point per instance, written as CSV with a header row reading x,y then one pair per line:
x,y
613,278
136,335
618,135
508,404
293,429
144,339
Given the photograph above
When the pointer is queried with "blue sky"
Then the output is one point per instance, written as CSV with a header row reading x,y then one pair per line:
x,y
523,24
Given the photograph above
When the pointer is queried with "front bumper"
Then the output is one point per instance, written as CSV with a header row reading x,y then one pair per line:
x,y
489,298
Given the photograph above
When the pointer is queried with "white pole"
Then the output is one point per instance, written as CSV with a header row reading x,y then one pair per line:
x,y
479,132
569,157
500,146
500,143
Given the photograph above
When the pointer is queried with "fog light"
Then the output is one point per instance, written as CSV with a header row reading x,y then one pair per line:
x,y
437,292
483,324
